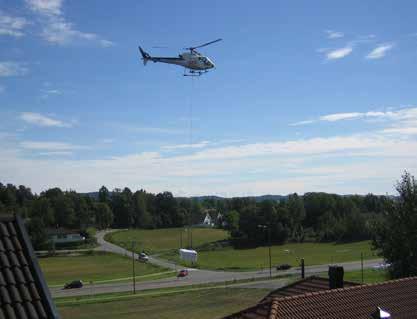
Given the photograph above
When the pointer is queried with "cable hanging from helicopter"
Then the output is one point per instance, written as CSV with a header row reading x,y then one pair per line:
x,y
193,61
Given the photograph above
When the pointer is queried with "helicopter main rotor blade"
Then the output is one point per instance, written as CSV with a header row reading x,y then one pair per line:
x,y
203,45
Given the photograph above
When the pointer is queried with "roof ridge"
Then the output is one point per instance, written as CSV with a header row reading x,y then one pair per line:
x,y
329,291
274,309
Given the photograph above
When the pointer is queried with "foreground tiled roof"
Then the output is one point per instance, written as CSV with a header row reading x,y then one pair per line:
x,y
398,297
307,285
23,291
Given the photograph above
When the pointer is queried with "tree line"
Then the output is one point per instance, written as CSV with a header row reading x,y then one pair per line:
x,y
390,222
313,216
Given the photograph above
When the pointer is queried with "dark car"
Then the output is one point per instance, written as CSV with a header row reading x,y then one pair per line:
x,y
183,273
143,257
74,284
283,267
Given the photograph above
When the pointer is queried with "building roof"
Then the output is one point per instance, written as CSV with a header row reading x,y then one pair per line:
x,y
299,287
397,297
23,290
309,284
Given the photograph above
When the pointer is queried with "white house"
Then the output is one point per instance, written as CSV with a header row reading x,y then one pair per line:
x,y
208,221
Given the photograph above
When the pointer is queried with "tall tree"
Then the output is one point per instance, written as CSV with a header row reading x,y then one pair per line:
x,y
104,215
396,235
103,195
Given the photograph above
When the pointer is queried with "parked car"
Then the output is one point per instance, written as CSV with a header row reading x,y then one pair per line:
x,y
283,267
381,266
183,273
74,284
143,257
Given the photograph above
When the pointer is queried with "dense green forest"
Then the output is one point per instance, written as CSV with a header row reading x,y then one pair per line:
x,y
313,216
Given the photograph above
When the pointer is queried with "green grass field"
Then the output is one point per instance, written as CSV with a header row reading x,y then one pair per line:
x,y
202,304
160,240
251,259
165,243
96,267
369,276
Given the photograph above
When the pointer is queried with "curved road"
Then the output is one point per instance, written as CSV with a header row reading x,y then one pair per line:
x,y
196,276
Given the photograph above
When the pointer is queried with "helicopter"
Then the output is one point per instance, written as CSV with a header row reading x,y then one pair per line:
x,y
196,63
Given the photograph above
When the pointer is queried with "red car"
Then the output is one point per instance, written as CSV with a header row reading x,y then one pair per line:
x,y
183,273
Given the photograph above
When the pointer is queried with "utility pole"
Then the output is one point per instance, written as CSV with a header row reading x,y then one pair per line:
x,y
269,247
270,259
133,268
362,265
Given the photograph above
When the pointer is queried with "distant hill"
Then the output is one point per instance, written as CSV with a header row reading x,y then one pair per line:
x,y
256,198
208,197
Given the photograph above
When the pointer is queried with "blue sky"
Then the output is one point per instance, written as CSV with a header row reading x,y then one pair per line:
x,y
305,96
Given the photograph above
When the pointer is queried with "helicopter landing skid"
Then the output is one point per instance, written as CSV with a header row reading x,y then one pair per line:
x,y
194,73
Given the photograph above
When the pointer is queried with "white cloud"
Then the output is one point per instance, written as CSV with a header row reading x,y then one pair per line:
x,y
339,116
47,7
358,163
46,93
403,116
334,34
380,51
149,129
401,130
42,120
50,146
12,26
201,144
302,123
56,29
8,68
56,153
339,53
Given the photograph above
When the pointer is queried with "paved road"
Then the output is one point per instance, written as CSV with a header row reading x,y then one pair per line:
x,y
196,276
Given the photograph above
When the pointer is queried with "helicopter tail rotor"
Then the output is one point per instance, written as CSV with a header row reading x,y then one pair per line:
x,y
145,56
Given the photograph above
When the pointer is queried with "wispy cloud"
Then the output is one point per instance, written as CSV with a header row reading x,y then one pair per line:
x,y
56,29
340,116
302,123
57,153
12,26
332,163
42,120
339,53
50,146
402,121
334,34
401,130
201,144
380,51
148,129
8,68
50,92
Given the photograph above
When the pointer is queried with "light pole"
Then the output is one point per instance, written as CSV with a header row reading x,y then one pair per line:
x,y
269,246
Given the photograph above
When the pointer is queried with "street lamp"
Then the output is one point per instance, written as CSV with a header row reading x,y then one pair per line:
x,y
269,246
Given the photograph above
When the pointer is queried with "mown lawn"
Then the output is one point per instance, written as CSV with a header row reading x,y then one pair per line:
x,y
95,267
204,304
369,276
251,259
160,240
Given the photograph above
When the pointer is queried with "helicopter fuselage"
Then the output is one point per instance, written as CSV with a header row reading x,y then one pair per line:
x,y
191,60
188,60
